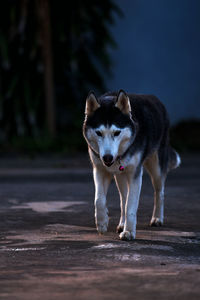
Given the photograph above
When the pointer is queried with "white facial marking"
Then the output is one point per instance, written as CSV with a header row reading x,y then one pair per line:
x,y
110,140
108,97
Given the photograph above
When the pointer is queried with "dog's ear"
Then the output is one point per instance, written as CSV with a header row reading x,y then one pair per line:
x,y
91,104
123,102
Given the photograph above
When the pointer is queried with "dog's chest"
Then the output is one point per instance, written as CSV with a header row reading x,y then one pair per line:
x,y
118,167
114,169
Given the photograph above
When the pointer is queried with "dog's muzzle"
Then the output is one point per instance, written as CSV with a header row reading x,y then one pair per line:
x,y
108,160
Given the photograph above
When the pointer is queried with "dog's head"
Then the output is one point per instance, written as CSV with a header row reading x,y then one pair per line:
x,y
109,128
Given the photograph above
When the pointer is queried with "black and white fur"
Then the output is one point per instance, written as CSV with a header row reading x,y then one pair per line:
x,y
133,131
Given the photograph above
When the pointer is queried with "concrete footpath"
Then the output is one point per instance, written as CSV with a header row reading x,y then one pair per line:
x,y
49,248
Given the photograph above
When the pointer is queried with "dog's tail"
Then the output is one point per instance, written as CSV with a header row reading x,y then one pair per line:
x,y
174,159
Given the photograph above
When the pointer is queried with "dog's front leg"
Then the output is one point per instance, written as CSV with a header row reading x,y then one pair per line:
x,y
121,182
101,180
132,201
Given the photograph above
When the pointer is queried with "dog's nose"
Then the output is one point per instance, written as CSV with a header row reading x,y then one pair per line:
x,y
108,158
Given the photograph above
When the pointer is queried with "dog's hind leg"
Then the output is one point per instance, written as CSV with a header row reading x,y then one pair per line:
x,y
101,180
158,176
121,182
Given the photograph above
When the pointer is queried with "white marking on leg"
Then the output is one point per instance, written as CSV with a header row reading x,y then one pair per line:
x,y
134,188
121,182
158,210
101,180
158,182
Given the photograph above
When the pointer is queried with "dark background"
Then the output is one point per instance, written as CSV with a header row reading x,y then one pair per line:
x,y
53,52
158,52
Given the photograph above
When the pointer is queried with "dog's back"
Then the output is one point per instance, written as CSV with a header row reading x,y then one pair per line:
x,y
153,128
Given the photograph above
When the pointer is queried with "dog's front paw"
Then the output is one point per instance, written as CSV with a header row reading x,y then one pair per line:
x,y
127,236
156,222
102,228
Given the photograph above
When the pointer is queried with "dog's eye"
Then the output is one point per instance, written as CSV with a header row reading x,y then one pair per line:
x,y
116,133
98,133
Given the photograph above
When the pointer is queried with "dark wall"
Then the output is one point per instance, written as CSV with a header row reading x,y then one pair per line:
x,y
159,53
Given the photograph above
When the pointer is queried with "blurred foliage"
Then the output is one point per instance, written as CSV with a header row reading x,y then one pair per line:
x,y
185,136
80,47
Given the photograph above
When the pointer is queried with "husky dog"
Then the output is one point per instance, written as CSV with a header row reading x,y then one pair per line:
x,y
125,132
